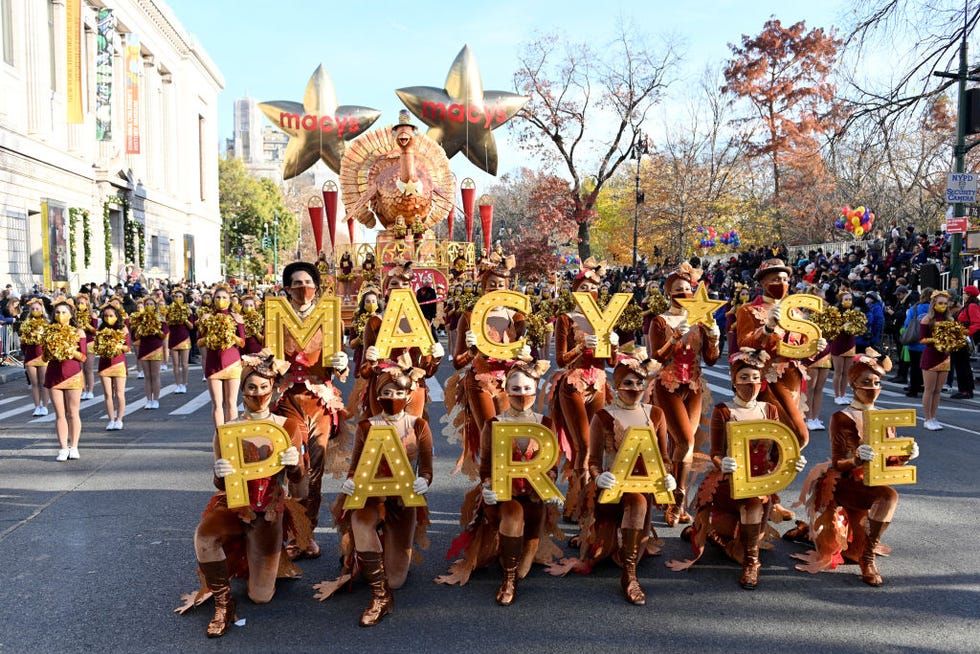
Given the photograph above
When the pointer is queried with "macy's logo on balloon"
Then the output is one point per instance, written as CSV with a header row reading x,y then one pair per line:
x,y
437,111
312,123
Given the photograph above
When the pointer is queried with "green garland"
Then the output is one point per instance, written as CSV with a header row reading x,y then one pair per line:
x,y
129,241
107,236
86,238
72,225
141,228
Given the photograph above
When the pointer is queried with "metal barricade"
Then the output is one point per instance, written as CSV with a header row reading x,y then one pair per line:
x,y
9,347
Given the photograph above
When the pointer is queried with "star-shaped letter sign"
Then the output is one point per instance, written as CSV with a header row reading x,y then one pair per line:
x,y
462,116
317,128
700,308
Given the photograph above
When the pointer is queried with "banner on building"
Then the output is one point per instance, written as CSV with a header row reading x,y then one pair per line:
x,y
134,66
54,234
104,52
73,53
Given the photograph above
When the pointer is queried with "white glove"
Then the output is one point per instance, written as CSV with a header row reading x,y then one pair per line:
x,y
866,453
682,329
489,497
347,488
606,480
728,465
437,351
372,354
774,315
223,468
800,463
339,361
289,457
714,332
821,344
613,339
670,483
470,338
525,352
421,486
591,341
915,451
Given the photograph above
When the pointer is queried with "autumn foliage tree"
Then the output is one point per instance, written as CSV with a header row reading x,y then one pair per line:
x,y
784,75
585,110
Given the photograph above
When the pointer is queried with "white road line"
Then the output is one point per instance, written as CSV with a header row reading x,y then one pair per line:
x,y
21,409
192,405
435,389
85,404
8,400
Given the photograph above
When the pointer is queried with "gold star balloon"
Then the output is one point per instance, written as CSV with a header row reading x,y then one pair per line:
x,y
317,128
462,116
700,308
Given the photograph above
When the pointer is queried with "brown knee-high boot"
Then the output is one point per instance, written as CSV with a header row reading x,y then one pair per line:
x,y
869,569
749,536
677,512
382,601
629,555
216,577
510,555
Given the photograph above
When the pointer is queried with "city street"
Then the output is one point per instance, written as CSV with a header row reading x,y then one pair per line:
x,y
95,554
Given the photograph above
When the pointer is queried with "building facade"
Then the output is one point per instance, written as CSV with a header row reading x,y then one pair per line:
x,y
108,145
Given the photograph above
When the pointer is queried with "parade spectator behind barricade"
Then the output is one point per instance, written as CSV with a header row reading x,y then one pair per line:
x,y
875,313
894,321
968,316
915,348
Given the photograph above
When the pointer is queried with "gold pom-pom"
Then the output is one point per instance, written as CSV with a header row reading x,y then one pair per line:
x,y
178,313
254,323
218,331
830,321
108,342
854,322
537,329
948,336
631,319
60,342
657,303
145,324
32,331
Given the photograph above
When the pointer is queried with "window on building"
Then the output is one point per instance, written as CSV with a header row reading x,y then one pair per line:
x,y
200,153
7,32
53,55
154,251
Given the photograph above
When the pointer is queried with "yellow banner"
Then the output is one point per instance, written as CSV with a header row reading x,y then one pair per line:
x,y
73,41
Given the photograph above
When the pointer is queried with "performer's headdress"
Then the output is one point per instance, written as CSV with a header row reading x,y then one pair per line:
x,y
296,266
747,358
879,364
771,266
402,374
592,271
265,364
497,265
685,272
533,369
634,360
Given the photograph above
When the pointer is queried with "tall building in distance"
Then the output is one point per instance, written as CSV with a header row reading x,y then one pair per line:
x,y
260,146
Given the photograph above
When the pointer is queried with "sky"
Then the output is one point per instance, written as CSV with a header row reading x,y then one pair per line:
x,y
268,50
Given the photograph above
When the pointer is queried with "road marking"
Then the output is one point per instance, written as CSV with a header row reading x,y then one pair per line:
x,y
85,404
10,399
22,409
192,405
435,389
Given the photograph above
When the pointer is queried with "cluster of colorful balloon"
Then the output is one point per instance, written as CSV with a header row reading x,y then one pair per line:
x,y
857,221
708,236
569,259
731,237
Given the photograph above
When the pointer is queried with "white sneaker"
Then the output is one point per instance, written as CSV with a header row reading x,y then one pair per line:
x,y
62,455
38,411
932,425
841,401
164,368
119,425
90,395
818,425
44,410
156,404
809,423
140,375
148,405
181,389
73,453
111,426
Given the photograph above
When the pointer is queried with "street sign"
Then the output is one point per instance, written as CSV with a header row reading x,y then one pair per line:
x,y
957,225
961,188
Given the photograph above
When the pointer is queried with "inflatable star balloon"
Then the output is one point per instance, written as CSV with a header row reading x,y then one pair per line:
x,y
462,116
317,128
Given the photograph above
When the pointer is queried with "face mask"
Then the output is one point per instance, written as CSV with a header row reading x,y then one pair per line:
x,y
63,318
521,402
206,301
36,312
110,320
846,304
256,403
303,294
939,308
179,300
777,290
866,395
748,391
370,307
222,303
82,307
628,395
392,405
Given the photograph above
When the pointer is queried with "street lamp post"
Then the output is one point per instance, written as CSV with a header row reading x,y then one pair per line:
x,y
639,149
275,241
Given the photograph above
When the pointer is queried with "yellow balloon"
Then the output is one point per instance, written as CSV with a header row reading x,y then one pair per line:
x,y
855,221
859,231
860,210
